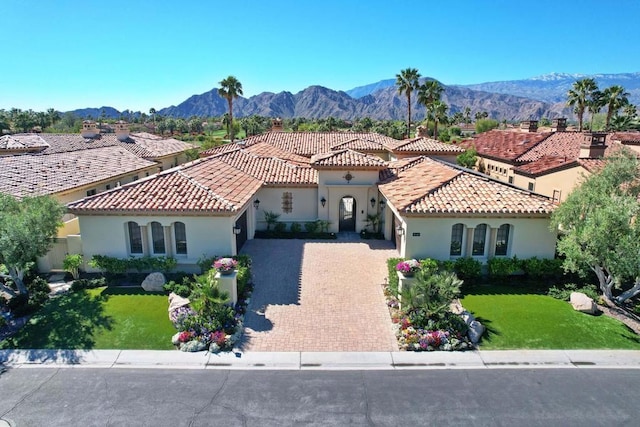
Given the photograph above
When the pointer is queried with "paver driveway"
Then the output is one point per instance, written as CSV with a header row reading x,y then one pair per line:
x,y
315,295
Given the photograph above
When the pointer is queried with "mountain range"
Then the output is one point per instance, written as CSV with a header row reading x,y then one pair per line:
x,y
534,98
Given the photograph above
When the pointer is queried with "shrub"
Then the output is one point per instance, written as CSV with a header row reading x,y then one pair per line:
x,y
564,291
243,278
270,218
393,277
79,284
280,227
311,227
548,267
295,227
72,264
501,267
468,268
430,296
183,289
429,266
24,304
205,263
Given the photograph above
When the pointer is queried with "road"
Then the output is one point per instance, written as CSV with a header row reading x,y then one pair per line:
x,y
158,397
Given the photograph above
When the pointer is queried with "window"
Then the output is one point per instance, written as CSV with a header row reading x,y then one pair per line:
x,y
502,239
531,186
510,180
135,178
135,238
457,232
91,192
557,194
287,202
479,240
108,187
157,236
180,237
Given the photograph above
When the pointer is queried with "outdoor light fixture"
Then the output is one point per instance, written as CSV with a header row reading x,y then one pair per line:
x,y
348,177
256,204
400,230
323,201
237,230
373,202
381,204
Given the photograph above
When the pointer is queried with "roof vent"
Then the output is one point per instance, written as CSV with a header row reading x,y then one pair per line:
x,y
122,130
529,126
422,131
593,145
276,125
89,129
559,124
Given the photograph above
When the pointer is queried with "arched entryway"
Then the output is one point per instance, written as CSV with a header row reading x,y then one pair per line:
x,y
347,215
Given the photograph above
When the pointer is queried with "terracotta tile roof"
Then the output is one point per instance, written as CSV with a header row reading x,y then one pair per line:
x,y
24,143
143,145
546,164
626,137
265,150
270,170
359,144
592,165
559,144
504,144
309,143
347,158
400,165
424,145
224,148
34,175
432,187
205,186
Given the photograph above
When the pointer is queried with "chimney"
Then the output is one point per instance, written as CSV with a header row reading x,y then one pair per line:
x,y
559,125
422,131
89,129
529,126
593,145
276,125
122,130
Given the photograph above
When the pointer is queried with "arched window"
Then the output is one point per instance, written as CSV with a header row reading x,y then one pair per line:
x,y
180,233
479,240
135,237
457,231
502,239
157,236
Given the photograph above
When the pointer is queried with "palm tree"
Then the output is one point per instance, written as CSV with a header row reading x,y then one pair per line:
x,y
230,88
614,98
152,111
579,95
439,115
429,94
594,105
408,81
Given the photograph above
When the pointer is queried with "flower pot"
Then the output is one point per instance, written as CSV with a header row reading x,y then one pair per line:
x,y
225,272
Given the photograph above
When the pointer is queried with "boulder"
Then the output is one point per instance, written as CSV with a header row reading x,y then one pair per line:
x,y
456,307
583,303
476,329
176,301
154,282
467,317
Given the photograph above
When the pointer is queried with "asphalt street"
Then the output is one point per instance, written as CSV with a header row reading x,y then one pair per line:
x,y
158,397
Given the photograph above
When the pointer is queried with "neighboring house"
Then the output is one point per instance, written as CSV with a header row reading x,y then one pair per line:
x,y
213,205
70,167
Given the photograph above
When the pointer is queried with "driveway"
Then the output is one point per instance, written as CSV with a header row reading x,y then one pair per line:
x,y
318,295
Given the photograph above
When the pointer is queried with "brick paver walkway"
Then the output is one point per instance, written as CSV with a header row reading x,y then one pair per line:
x,y
319,296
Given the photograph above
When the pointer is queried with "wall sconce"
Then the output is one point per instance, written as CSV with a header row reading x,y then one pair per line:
x,y
399,230
382,204
256,204
323,201
237,230
373,203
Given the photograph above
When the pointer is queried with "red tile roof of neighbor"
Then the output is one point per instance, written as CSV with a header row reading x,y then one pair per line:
x,y
347,158
626,137
26,142
506,145
424,145
359,144
35,175
432,187
203,186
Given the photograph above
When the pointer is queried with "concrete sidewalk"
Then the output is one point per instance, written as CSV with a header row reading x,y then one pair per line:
x,y
518,359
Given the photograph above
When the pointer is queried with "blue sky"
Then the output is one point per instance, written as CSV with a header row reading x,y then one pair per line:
x,y
137,54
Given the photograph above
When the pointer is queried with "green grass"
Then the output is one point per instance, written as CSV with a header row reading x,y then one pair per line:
x,y
103,318
519,319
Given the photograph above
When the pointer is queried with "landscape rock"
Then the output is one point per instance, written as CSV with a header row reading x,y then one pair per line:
x,y
583,303
476,329
176,301
154,282
467,317
456,307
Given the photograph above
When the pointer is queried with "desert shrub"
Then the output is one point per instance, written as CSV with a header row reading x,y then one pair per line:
x,y
430,296
563,292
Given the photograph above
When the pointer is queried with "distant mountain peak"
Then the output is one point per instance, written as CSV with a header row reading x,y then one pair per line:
x,y
557,76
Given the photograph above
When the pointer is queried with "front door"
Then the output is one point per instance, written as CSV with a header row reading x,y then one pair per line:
x,y
347,214
241,238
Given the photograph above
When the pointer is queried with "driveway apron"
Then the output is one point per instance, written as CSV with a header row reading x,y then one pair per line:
x,y
312,295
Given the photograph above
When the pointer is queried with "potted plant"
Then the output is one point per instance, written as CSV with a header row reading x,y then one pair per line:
x,y
225,265
408,268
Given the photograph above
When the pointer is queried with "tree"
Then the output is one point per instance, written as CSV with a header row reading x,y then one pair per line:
x,y
230,89
467,115
483,125
439,115
578,97
614,98
468,158
27,228
594,105
152,111
429,95
599,227
408,81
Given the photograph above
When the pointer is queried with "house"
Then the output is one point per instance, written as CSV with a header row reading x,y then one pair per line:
x,y
70,167
212,205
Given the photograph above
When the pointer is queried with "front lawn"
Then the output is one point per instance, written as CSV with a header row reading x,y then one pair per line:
x,y
518,319
102,318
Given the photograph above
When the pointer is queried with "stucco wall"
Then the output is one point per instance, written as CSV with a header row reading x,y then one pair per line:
x,y
304,205
493,168
107,235
565,181
528,237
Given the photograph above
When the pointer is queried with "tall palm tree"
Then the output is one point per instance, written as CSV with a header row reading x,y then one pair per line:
x,y
152,111
614,98
594,105
408,81
230,88
439,109
579,96
429,94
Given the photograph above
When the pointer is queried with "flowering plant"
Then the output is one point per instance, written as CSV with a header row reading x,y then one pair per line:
x,y
408,266
224,265
185,336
